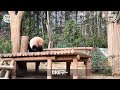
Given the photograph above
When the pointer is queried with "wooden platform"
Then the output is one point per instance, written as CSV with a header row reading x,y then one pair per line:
x,y
67,55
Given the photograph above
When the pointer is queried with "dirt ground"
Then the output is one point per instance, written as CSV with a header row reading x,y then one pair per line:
x,y
61,65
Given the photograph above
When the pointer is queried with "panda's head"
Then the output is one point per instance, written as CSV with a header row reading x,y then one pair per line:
x,y
36,44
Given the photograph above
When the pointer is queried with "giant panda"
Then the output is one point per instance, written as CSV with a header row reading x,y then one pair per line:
x,y
36,45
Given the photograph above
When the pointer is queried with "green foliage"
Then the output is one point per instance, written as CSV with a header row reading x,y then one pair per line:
x,y
99,63
95,41
5,45
72,37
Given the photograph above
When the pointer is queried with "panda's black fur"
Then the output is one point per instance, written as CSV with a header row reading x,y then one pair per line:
x,y
35,49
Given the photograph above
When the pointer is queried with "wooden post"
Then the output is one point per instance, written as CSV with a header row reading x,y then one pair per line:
x,y
87,67
49,69
75,68
37,66
68,68
24,44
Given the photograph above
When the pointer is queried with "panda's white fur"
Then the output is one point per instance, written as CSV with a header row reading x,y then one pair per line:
x,y
37,41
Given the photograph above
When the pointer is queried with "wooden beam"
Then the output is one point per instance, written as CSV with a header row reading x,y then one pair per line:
x,y
46,53
30,58
75,68
6,67
49,69
75,48
24,44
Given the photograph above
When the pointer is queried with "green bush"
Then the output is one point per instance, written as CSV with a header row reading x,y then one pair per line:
x,y
99,63
5,45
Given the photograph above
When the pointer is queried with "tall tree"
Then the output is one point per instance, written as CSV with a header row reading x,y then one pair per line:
x,y
113,32
48,29
15,24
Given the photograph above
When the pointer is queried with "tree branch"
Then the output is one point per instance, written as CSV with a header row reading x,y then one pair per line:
x,y
11,12
20,13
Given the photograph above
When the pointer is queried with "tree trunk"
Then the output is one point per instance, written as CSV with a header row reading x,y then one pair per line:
x,y
15,24
56,21
67,15
114,47
76,15
48,29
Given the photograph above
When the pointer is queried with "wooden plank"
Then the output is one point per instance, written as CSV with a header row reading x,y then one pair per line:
x,y
75,48
49,69
30,58
55,58
6,67
75,68
62,52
